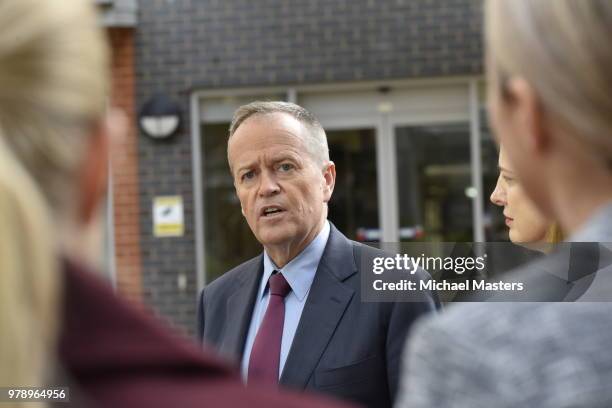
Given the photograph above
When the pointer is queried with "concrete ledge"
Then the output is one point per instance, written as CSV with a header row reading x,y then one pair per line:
x,y
118,13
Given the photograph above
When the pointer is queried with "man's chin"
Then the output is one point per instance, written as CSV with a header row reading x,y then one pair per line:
x,y
274,236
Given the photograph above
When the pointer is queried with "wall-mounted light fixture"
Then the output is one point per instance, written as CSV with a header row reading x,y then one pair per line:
x,y
159,117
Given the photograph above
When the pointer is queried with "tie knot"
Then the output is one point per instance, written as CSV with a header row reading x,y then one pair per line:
x,y
279,285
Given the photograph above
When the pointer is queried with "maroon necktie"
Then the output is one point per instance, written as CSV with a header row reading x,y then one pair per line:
x,y
264,361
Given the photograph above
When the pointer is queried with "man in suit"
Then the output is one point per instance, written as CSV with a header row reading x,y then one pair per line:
x,y
294,315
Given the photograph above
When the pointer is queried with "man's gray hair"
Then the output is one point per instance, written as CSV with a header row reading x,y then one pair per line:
x,y
314,138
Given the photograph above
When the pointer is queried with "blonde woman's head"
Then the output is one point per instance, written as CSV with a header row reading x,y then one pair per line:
x,y
53,88
549,65
53,92
525,222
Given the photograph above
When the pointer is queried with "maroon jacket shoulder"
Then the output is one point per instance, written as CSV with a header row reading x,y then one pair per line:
x,y
120,356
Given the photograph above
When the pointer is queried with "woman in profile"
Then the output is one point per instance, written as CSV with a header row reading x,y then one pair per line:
x,y
532,233
60,325
525,222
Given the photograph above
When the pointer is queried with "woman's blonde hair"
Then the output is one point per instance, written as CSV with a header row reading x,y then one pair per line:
x,y
53,87
562,48
554,234
29,286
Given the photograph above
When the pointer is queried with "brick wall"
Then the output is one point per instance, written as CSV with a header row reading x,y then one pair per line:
x,y
184,45
221,43
125,169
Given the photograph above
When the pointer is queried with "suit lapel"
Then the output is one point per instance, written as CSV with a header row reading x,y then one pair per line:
x,y
240,308
326,303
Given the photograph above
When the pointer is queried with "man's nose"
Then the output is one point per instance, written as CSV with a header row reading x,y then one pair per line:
x,y
498,196
269,185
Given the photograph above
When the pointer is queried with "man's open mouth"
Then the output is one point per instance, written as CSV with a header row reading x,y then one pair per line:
x,y
271,210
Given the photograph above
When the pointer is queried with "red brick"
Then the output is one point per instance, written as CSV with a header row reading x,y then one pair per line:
x,y
125,169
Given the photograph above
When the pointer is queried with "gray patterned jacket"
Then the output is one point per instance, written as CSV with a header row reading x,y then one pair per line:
x,y
539,355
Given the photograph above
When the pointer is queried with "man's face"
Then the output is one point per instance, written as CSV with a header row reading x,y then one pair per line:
x,y
283,191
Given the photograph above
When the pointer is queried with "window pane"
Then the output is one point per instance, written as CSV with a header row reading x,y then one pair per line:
x,y
354,204
434,176
227,236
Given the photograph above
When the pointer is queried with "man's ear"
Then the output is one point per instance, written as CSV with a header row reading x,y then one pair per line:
x,y
528,116
329,177
106,135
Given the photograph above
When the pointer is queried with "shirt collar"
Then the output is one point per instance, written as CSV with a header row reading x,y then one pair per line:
x,y
301,270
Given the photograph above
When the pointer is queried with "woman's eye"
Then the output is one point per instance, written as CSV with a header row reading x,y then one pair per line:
x,y
508,180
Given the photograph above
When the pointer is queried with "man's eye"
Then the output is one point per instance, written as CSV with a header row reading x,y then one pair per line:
x,y
286,167
248,175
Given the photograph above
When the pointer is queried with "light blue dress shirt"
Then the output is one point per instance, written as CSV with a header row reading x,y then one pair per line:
x,y
299,273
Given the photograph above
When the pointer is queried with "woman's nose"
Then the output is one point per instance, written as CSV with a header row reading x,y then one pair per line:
x,y
498,196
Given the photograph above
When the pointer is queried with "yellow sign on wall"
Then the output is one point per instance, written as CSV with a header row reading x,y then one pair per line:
x,y
168,216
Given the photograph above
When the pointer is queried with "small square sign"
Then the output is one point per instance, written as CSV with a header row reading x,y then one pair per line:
x,y
168,216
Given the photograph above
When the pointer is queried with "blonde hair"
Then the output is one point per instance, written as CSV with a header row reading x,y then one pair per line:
x,y
561,47
554,234
53,87
29,285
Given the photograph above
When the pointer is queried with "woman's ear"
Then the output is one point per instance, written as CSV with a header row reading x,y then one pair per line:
x,y
106,136
528,116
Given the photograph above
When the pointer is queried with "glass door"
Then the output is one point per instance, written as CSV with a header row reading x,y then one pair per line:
x,y
227,236
354,204
434,179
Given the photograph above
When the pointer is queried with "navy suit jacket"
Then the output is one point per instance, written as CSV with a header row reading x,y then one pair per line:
x,y
342,347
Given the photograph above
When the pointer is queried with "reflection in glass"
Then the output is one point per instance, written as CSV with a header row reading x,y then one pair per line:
x,y
354,204
434,183
227,236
